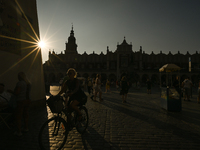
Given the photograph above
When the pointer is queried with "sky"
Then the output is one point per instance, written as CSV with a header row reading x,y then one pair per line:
x,y
156,25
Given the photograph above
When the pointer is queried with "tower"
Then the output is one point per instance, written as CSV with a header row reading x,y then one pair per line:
x,y
71,46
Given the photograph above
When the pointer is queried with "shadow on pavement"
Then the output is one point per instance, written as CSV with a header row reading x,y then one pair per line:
x,y
96,141
163,122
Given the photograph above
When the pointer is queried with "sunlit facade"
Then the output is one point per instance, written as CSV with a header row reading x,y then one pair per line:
x,y
136,65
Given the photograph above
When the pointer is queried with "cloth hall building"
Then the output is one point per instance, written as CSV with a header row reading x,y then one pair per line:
x,y
137,66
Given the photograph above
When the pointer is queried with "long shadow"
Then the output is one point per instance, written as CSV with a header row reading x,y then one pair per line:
x,y
96,141
157,123
184,115
187,116
134,104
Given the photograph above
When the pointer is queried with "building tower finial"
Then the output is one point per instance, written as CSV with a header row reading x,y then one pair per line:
x,y
72,31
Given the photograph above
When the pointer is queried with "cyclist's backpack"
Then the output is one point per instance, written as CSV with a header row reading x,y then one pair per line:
x,y
55,103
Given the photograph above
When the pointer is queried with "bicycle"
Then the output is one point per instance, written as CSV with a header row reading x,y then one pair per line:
x,y
53,133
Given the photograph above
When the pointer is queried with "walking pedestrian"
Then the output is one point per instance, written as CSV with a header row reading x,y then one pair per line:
x,y
148,86
107,86
124,89
98,88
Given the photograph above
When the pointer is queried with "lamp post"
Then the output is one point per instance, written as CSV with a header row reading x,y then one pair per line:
x,y
190,74
189,64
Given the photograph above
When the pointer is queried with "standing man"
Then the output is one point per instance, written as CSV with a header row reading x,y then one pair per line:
x,y
187,84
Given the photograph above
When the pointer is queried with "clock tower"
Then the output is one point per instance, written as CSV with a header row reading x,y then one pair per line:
x,y
71,46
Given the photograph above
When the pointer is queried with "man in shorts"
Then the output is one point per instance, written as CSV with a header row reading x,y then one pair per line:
x,y
187,84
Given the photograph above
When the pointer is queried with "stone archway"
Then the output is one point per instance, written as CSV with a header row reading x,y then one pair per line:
x,y
155,79
163,80
137,77
144,78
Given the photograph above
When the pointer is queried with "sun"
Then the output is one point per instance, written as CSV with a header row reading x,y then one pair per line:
x,y
41,44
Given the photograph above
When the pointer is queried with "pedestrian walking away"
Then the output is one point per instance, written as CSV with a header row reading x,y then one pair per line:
x,y
124,89
148,86
98,88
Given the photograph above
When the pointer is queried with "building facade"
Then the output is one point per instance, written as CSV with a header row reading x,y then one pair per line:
x,y
137,66
19,36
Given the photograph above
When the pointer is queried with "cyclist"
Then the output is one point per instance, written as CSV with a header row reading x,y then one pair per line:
x,y
75,93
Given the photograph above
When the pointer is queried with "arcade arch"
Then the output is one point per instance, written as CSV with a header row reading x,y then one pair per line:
x,y
144,78
155,79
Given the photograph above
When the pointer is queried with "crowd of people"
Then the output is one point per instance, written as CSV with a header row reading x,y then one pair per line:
x,y
17,101
94,87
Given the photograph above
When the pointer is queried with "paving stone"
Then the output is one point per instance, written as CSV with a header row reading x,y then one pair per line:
x,y
138,124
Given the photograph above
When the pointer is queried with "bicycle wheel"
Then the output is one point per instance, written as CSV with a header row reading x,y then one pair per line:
x,y
53,134
82,125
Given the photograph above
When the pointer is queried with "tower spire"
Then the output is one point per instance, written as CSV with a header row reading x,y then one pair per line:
x,y
72,31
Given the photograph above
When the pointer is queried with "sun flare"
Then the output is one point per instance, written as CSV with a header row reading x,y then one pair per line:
x,y
41,44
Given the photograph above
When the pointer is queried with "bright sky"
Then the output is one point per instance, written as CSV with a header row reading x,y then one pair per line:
x,y
156,25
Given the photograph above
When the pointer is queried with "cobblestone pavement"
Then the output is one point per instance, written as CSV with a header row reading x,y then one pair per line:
x,y
138,124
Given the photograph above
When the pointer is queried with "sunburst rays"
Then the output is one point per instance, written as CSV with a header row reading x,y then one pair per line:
x,y
34,42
